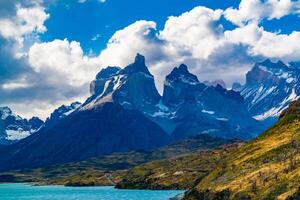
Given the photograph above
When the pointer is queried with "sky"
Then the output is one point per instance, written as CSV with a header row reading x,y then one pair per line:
x,y
50,50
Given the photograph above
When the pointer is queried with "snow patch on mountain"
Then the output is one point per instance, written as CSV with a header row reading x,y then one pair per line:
x,y
270,87
17,134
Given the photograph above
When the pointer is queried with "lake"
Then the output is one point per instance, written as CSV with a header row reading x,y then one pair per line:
x,y
28,192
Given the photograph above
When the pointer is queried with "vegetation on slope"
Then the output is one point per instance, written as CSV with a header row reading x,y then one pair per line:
x,y
264,169
110,169
175,173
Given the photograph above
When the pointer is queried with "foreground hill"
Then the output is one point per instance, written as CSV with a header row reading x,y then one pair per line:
x,y
266,168
180,172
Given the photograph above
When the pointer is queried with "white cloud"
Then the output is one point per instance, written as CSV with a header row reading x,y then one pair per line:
x,y
61,61
27,20
194,30
124,44
21,83
267,44
253,11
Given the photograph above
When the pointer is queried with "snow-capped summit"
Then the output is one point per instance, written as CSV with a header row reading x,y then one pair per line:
x,y
14,127
270,87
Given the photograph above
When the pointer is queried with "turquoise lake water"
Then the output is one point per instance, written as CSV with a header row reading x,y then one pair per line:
x,y
28,192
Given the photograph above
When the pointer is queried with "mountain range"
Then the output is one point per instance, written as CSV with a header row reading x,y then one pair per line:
x,y
270,87
126,112
14,128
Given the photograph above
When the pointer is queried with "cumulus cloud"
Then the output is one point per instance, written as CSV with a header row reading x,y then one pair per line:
x,y
26,21
62,61
124,44
253,11
268,44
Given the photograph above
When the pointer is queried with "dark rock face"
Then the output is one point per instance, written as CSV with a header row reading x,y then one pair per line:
x,y
270,87
14,127
105,129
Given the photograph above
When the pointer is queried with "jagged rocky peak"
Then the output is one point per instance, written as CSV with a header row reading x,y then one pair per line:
x,y
5,112
137,88
270,72
258,75
14,128
35,123
132,87
61,112
270,87
182,74
268,63
180,86
215,83
139,65
108,72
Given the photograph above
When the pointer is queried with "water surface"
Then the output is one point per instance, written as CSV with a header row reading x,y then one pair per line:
x,y
29,192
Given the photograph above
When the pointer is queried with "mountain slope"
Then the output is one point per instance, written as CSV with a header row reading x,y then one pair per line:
x,y
265,168
61,112
14,128
105,129
269,89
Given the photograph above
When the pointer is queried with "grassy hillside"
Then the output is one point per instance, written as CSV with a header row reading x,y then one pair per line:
x,y
264,169
110,169
175,173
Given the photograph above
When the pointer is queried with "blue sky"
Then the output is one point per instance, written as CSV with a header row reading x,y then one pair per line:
x,y
50,50
101,20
